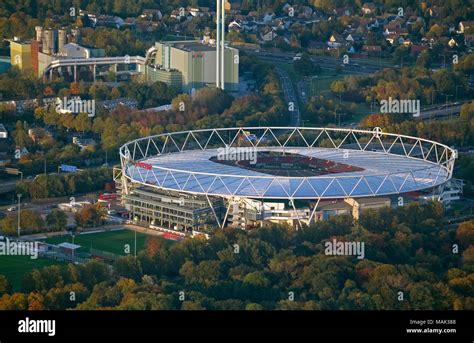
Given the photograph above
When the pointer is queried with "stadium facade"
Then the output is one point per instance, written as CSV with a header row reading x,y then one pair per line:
x,y
193,181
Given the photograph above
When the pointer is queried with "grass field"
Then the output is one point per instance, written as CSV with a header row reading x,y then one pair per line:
x,y
111,241
15,267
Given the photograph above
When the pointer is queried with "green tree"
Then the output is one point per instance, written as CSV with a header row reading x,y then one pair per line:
x,y
82,122
56,220
5,286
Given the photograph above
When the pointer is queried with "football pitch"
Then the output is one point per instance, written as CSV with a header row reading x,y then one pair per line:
x,y
15,267
120,242
117,242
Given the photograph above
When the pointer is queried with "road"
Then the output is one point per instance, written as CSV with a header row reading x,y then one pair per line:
x,y
440,112
8,185
360,67
356,66
290,97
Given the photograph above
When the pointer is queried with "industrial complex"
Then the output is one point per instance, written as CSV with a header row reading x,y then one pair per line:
x,y
191,64
186,65
194,181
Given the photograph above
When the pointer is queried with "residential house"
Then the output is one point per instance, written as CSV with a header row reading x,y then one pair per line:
x,y
465,26
336,41
267,18
267,33
83,142
235,25
452,43
249,27
107,20
151,14
431,12
38,134
195,11
369,8
354,37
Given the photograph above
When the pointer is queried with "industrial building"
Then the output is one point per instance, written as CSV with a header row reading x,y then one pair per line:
x,y
50,45
20,54
192,64
186,65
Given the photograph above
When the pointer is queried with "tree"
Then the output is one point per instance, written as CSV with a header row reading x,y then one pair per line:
x,y
338,87
153,245
67,120
48,91
35,302
304,66
5,286
74,88
20,135
257,279
56,220
82,122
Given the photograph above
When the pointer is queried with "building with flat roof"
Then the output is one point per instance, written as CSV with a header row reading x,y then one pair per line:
x,y
3,131
195,61
20,54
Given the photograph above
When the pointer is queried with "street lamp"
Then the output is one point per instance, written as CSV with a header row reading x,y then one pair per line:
x,y
457,91
19,210
447,96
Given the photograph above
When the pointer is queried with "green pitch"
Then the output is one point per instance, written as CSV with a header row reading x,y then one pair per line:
x,y
112,241
15,267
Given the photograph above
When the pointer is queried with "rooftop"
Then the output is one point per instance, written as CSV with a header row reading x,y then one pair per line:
x,y
193,46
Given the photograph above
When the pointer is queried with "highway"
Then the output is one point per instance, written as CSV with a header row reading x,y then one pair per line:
x,y
440,112
290,97
8,185
359,67
355,66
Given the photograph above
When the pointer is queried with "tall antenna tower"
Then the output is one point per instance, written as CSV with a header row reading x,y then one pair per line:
x,y
220,22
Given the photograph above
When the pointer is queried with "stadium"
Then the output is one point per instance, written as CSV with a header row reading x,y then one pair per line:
x,y
194,181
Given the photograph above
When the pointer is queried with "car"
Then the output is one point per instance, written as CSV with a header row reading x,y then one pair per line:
x,y
11,209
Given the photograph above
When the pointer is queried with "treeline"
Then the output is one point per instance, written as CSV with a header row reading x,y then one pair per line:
x,y
407,250
407,84
32,222
50,186
457,131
